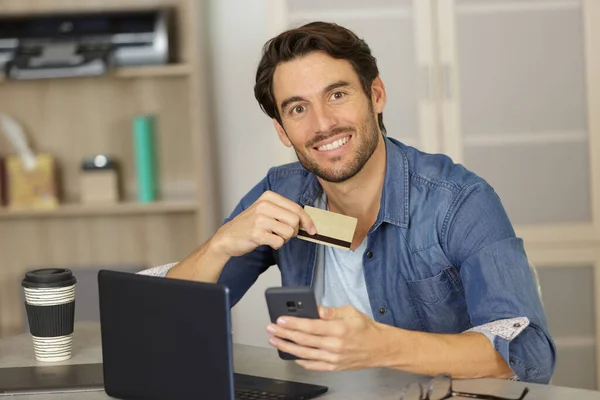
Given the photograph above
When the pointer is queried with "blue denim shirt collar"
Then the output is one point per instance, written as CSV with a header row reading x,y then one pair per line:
x,y
394,204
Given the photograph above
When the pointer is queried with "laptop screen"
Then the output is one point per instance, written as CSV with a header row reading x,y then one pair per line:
x,y
165,338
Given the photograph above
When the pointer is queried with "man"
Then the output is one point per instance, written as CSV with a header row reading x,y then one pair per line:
x,y
435,281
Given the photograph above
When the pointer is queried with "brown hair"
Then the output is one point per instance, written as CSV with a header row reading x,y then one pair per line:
x,y
337,41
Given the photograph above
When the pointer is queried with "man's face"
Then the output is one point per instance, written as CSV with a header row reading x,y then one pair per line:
x,y
326,115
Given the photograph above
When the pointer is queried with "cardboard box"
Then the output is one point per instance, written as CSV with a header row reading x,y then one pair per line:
x,y
32,189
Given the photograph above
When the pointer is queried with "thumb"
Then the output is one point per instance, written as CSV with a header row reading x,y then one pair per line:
x,y
336,312
326,312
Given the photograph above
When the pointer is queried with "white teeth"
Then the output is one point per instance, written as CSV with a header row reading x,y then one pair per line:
x,y
334,145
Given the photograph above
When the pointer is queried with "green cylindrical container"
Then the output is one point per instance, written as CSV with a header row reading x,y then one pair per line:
x,y
145,162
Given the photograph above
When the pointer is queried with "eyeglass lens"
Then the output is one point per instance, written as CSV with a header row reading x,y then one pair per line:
x,y
440,388
414,391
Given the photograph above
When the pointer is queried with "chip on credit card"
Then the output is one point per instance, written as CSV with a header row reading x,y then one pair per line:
x,y
333,229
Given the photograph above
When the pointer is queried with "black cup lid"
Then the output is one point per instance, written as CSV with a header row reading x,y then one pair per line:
x,y
48,277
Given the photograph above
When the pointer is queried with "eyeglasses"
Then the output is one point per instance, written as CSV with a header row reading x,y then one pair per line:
x,y
440,388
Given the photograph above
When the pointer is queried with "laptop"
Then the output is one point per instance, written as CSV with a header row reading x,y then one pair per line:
x,y
171,339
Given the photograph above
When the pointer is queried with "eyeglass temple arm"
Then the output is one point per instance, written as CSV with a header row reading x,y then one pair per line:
x,y
487,396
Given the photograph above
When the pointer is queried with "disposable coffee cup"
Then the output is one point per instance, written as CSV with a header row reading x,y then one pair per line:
x,y
50,304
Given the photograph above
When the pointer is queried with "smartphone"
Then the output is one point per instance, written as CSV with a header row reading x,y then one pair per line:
x,y
295,301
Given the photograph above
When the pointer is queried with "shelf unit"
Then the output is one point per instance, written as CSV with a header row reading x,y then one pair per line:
x,y
74,118
155,71
99,210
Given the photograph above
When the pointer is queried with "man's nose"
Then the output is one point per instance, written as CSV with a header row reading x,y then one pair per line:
x,y
324,119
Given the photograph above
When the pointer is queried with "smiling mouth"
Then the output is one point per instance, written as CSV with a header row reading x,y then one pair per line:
x,y
334,145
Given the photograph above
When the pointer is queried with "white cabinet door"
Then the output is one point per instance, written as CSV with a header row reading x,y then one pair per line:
x,y
399,35
515,103
520,107
568,292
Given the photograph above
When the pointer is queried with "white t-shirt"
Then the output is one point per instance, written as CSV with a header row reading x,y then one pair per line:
x,y
339,275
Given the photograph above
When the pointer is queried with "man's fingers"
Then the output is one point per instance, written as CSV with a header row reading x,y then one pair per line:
x,y
280,229
316,365
306,353
314,326
337,312
288,218
272,240
325,312
267,214
270,232
305,221
330,344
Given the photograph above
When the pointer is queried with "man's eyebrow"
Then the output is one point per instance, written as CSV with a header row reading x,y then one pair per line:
x,y
336,85
289,101
293,99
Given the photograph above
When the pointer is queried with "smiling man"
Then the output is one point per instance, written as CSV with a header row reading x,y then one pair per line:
x,y
436,280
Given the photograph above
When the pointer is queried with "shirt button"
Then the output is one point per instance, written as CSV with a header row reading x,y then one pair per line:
x,y
369,254
382,310
512,362
517,325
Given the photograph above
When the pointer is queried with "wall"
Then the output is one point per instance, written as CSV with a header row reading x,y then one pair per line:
x,y
247,142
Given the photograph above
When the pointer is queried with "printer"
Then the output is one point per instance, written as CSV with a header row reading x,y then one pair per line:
x,y
72,45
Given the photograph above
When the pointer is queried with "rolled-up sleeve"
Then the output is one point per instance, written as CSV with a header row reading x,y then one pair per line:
x,y
497,281
160,270
504,329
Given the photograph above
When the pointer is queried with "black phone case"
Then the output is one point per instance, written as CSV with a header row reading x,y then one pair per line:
x,y
279,300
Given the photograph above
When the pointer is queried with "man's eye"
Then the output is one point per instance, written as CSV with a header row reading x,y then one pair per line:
x,y
298,109
337,95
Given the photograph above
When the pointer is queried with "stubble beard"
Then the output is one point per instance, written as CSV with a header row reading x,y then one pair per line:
x,y
342,172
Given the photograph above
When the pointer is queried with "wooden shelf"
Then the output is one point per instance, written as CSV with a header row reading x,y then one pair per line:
x,y
87,210
153,71
26,7
73,118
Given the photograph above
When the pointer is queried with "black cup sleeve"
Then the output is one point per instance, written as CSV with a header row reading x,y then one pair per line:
x,y
51,321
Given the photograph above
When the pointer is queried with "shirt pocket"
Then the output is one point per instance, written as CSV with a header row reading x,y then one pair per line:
x,y
439,302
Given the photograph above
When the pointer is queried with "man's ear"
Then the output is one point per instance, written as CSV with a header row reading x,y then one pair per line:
x,y
281,132
378,95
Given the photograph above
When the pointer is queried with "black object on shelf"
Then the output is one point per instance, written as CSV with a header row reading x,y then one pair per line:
x,y
82,44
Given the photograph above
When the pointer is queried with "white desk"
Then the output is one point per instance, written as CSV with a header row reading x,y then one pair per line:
x,y
366,384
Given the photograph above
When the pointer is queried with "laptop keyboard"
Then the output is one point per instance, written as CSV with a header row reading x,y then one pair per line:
x,y
249,394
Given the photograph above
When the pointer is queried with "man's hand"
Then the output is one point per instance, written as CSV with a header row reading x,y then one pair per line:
x,y
272,220
343,339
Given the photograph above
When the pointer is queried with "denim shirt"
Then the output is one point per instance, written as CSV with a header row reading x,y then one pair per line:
x,y
442,255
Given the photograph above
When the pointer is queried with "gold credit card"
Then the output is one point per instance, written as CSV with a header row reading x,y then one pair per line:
x,y
333,229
